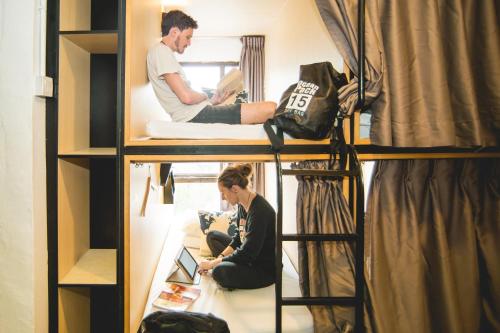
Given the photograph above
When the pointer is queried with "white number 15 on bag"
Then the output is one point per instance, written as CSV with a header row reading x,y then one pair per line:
x,y
299,102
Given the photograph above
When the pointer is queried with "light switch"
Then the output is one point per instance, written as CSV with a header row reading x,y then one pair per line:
x,y
44,86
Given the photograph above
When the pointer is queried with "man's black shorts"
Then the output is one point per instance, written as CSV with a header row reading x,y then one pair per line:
x,y
225,114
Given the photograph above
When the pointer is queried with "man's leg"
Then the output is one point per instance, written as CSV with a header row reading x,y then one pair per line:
x,y
257,113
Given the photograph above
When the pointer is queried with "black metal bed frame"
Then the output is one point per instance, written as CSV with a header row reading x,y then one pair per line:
x,y
355,301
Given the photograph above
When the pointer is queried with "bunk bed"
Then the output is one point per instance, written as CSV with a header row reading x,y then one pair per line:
x,y
128,267
147,276
150,149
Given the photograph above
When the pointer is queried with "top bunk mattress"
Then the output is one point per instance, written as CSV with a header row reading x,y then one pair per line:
x,y
161,129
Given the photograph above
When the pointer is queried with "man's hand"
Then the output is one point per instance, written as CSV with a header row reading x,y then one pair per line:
x,y
220,98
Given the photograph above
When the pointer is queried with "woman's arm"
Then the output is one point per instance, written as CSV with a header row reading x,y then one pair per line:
x,y
227,251
258,221
205,265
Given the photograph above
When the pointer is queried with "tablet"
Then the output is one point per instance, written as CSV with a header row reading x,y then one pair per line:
x,y
188,265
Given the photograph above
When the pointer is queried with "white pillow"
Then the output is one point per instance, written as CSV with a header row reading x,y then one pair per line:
x,y
225,222
189,224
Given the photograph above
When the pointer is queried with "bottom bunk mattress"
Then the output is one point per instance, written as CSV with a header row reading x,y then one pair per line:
x,y
244,310
161,129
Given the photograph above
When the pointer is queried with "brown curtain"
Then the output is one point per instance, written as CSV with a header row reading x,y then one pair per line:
x,y
325,268
433,69
252,66
259,178
433,243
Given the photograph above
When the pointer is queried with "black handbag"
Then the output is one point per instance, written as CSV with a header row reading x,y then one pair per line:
x,y
308,108
182,322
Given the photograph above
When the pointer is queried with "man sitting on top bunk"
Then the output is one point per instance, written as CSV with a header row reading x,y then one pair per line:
x,y
173,89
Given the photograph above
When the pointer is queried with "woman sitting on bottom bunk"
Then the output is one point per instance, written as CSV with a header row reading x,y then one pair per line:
x,y
246,261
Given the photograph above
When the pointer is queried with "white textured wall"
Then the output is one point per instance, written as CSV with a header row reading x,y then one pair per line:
x,y
23,254
205,49
298,37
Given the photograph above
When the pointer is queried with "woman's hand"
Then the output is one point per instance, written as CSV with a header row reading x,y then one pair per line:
x,y
220,98
204,266
207,265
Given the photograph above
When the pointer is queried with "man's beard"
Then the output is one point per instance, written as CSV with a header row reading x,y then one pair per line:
x,y
177,43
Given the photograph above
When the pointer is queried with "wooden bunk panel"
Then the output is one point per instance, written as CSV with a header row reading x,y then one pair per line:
x,y
147,222
227,142
143,21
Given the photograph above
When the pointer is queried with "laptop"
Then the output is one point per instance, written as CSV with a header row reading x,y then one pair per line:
x,y
187,268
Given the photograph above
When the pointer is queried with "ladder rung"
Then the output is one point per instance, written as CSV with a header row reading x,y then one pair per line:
x,y
329,173
320,237
345,301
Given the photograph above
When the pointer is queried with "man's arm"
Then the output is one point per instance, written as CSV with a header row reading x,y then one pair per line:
x,y
189,96
186,94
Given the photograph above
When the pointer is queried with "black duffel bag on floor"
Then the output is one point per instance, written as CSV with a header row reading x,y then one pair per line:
x,y
182,322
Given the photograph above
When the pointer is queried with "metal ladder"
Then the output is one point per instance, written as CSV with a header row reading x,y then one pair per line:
x,y
357,209
356,301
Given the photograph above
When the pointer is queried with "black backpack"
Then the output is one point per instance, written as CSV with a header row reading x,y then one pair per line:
x,y
308,108
182,322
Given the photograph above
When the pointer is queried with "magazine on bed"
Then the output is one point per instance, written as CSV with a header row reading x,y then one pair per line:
x,y
176,297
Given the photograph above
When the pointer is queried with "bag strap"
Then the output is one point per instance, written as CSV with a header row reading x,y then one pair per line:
x,y
338,145
277,140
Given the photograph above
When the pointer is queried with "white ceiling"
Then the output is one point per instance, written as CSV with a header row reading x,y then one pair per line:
x,y
234,17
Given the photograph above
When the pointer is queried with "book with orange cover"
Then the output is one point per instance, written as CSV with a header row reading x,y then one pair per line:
x,y
176,297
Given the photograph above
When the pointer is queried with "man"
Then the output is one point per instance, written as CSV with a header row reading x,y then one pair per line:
x,y
173,90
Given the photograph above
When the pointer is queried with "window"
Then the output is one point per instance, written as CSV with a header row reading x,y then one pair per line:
x,y
196,186
206,74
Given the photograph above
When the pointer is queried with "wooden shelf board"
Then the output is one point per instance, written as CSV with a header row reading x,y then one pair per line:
x,y
111,151
92,42
221,158
95,267
226,142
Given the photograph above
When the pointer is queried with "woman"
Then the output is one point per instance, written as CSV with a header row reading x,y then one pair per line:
x,y
246,261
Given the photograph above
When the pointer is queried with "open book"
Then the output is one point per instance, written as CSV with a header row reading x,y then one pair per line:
x,y
231,82
176,297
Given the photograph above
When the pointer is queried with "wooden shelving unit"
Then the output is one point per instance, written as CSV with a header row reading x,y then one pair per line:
x,y
87,103
99,42
91,151
95,267
86,284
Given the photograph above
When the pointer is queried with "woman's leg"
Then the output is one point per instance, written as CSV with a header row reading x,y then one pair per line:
x,y
217,241
236,276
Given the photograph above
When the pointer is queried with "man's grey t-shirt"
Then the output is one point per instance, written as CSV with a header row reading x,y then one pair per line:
x,y
161,60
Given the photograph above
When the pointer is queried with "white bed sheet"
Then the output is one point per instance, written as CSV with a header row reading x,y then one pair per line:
x,y
249,311
161,129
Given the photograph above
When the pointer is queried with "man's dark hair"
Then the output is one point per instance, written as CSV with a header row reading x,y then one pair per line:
x,y
176,18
